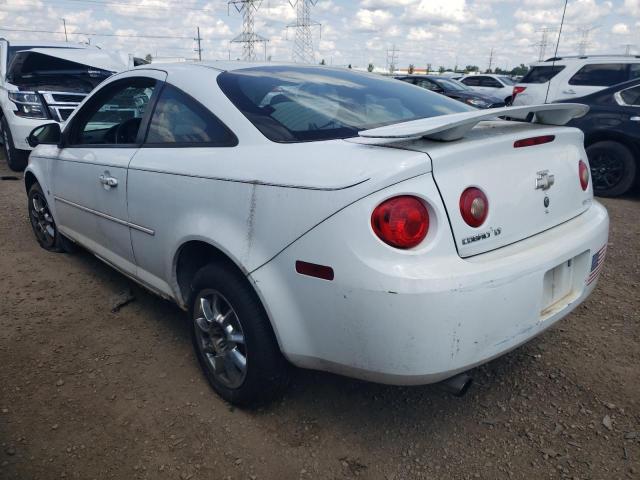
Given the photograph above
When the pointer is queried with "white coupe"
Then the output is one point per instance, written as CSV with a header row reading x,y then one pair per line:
x,y
335,220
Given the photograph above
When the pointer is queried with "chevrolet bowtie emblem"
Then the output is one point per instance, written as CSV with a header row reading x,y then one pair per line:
x,y
544,180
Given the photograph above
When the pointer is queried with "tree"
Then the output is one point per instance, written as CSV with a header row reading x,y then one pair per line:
x,y
148,57
488,70
428,68
370,67
521,70
322,62
441,69
349,67
411,69
471,68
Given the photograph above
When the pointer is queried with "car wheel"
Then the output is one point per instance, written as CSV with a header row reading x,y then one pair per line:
x,y
16,159
233,339
613,168
43,224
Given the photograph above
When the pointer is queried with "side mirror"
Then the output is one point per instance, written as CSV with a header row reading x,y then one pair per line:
x,y
48,134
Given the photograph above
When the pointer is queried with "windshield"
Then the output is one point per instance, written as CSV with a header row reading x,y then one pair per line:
x,y
542,74
297,104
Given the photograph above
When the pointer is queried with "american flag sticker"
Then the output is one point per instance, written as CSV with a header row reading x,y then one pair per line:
x,y
597,261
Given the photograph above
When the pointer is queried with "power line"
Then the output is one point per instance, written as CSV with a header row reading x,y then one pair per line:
x,y
119,35
135,6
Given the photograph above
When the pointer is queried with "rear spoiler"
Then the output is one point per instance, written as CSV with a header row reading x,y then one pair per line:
x,y
456,125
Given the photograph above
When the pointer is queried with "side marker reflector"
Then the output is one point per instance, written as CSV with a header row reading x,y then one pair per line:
x,y
314,270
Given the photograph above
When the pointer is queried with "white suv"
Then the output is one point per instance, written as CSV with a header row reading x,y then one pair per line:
x,y
499,86
564,78
41,82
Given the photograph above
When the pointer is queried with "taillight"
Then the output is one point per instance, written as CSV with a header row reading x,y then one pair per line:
x,y
516,91
474,206
583,172
529,142
402,222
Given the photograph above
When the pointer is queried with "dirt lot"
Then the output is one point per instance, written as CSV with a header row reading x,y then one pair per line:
x,y
86,393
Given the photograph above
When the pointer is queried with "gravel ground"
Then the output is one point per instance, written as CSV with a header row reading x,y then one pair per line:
x,y
88,393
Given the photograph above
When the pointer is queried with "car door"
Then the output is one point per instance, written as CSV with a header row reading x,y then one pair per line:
x,y
89,175
172,178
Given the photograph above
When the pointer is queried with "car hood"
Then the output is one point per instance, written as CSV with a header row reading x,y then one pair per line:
x,y
24,61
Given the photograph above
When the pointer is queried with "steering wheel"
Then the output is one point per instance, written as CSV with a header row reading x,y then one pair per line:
x,y
126,131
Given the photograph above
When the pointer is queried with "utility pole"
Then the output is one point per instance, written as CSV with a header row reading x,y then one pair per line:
x,y
627,48
490,59
584,39
199,49
392,58
303,43
64,24
544,41
248,38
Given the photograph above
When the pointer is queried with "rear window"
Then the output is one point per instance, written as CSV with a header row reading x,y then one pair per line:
x,y
298,104
601,75
542,74
507,81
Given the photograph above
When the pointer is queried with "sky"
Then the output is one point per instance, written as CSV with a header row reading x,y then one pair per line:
x,y
358,32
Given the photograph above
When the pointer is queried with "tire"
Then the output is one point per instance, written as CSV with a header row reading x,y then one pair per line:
x,y
16,159
231,325
43,224
613,168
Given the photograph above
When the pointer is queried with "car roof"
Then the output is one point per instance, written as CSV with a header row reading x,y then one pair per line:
x,y
230,65
48,44
588,59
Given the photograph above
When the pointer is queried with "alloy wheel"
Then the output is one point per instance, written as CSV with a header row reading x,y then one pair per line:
x,y
607,171
220,338
41,220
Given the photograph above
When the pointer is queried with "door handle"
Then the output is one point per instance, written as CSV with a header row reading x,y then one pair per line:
x,y
108,181
635,119
569,92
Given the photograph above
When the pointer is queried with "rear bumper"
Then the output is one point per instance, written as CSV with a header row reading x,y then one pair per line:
x,y
419,322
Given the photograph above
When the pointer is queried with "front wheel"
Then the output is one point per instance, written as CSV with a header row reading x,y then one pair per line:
x,y
233,339
613,168
16,159
43,224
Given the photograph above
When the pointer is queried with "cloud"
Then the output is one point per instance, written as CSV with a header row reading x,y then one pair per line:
x,y
372,20
631,7
620,29
419,33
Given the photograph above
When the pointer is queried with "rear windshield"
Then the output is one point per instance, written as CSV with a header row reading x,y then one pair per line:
x,y
298,104
542,74
507,81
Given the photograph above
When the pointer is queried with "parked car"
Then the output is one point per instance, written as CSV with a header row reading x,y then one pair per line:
x,y
453,89
40,82
499,86
612,137
568,78
289,228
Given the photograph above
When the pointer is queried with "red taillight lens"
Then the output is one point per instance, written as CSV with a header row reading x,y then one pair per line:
x,y
516,91
583,172
474,206
402,222
530,142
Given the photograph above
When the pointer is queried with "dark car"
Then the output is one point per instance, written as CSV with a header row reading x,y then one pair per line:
x,y
453,89
612,137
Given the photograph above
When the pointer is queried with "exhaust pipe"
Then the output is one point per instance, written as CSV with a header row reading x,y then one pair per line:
x,y
457,385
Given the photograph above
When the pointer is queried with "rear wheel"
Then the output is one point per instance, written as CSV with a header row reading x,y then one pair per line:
x,y
233,339
43,224
613,168
16,159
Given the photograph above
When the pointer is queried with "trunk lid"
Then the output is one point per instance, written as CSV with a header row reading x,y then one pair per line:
x,y
486,158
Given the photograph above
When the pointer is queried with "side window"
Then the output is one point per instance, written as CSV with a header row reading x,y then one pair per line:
x,y
180,119
600,75
634,71
631,96
471,81
114,115
424,83
490,82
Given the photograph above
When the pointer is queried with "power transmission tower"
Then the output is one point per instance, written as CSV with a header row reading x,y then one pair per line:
x,y
544,41
627,48
248,38
199,49
584,39
303,43
392,58
490,59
